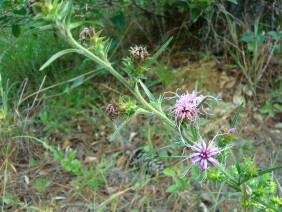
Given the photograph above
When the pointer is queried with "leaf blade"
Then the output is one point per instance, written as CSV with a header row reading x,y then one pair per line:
x,y
58,55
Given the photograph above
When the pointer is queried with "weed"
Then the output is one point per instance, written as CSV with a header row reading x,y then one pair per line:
x,y
41,185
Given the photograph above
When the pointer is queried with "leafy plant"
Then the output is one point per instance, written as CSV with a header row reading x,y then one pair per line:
x,y
204,155
41,185
252,51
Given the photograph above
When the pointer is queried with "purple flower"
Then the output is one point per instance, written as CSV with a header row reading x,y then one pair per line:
x,y
231,131
204,154
185,107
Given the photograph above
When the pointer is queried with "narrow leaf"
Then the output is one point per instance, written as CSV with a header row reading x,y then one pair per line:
x,y
147,91
202,102
56,56
153,59
269,170
169,172
262,173
233,122
16,30
172,188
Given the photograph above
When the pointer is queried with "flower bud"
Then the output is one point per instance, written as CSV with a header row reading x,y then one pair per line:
x,y
86,35
112,110
138,55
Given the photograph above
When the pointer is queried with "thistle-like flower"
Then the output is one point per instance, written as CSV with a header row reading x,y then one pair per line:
x,y
188,106
204,154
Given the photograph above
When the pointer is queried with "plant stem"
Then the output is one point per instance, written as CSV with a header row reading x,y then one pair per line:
x,y
109,68
104,64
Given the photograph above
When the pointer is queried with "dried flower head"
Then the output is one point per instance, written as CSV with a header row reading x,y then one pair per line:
x,y
138,55
86,34
112,110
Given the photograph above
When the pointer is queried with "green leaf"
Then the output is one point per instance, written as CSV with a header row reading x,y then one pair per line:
x,y
16,30
119,22
153,59
21,11
247,37
267,108
202,102
278,107
234,120
172,188
233,1
169,172
194,132
269,170
147,91
57,55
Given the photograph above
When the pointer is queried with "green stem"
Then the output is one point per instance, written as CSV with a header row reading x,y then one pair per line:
x,y
109,68
151,108
104,64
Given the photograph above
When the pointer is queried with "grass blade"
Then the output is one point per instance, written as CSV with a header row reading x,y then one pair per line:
x,y
233,122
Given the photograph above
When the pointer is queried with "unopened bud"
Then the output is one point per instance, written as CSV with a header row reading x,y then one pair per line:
x,y
138,55
86,35
112,110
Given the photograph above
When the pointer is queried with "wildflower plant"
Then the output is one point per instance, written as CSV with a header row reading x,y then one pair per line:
x,y
209,156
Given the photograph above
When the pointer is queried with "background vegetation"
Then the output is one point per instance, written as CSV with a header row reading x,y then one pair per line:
x,y
229,47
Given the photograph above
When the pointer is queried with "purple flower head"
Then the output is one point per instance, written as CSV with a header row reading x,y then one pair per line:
x,y
231,131
186,105
204,154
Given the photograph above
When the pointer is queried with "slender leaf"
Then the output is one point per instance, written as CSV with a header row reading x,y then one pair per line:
x,y
233,122
57,55
169,172
16,30
202,102
152,60
147,91
262,173
172,188
194,132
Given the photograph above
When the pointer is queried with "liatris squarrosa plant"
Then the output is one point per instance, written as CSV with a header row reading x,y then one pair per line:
x,y
210,156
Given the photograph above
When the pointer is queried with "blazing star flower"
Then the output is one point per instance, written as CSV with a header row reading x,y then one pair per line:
x,y
204,154
186,105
